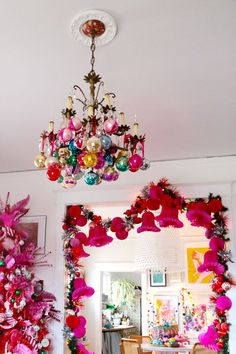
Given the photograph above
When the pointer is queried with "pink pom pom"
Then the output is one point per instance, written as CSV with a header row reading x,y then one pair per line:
x,y
223,303
217,244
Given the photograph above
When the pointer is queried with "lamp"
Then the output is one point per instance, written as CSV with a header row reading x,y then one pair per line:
x,y
98,146
158,252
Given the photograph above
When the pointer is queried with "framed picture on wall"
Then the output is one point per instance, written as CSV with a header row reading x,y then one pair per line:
x,y
35,227
157,279
166,308
194,257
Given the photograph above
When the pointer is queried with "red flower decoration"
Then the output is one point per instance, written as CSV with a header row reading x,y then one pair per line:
x,y
215,205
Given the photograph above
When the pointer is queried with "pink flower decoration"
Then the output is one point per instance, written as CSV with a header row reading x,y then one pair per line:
x,y
169,217
217,244
80,330
148,223
82,349
223,303
211,263
81,221
98,236
209,338
199,215
81,289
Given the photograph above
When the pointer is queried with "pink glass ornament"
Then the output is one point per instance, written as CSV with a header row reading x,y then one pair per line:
x,y
211,263
148,223
122,233
169,217
135,162
74,242
65,134
75,123
78,142
100,163
81,220
110,126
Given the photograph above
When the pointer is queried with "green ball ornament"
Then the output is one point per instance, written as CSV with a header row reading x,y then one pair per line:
x,y
72,160
13,300
17,292
91,178
122,164
60,179
43,351
35,294
2,263
55,154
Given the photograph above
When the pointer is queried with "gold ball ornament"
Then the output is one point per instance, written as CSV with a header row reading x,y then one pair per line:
x,y
39,160
90,160
94,144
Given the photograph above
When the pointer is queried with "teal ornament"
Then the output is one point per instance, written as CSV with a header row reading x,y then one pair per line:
x,y
72,160
91,178
109,159
73,148
55,154
60,179
122,164
146,165
106,141
43,351
2,263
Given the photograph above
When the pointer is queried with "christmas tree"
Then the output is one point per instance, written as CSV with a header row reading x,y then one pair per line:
x,y
25,307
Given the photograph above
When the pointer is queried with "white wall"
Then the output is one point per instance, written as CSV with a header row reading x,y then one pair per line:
x,y
194,178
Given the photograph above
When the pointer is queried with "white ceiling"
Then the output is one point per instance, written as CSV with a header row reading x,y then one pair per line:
x,y
172,63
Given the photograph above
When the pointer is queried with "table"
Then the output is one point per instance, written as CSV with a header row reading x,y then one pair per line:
x,y
158,349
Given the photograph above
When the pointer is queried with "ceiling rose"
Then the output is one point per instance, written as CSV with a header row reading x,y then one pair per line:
x,y
77,27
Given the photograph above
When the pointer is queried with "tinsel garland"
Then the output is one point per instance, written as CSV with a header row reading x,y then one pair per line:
x,y
161,198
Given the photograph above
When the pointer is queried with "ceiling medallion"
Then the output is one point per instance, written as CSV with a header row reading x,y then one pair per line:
x,y
104,37
97,143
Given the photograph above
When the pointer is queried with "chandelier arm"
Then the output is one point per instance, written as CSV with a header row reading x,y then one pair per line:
x,y
75,87
99,86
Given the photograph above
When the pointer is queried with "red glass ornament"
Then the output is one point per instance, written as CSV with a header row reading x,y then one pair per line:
x,y
53,172
72,321
74,211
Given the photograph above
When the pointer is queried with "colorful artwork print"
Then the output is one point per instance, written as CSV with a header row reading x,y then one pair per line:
x,y
166,308
195,258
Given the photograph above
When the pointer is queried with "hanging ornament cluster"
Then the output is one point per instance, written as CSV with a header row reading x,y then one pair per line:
x,y
25,307
158,206
97,144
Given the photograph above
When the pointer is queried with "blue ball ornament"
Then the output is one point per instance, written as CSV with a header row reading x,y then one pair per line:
x,y
91,178
106,141
122,164
109,159
73,148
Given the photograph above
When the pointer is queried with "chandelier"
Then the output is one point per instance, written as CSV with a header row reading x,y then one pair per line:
x,y
97,144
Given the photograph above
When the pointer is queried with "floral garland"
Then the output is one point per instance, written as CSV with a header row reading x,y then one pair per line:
x,y
207,213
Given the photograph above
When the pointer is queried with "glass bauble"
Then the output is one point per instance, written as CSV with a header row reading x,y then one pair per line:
x,y
106,141
51,160
135,162
110,126
69,182
91,178
65,134
110,174
146,165
53,172
72,160
122,164
90,160
100,163
40,160
75,123
94,144
73,148
109,159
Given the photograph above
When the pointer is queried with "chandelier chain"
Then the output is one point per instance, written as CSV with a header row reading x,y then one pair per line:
x,y
93,48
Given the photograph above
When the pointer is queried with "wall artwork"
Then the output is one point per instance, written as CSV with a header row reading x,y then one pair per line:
x,y
195,258
166,309
35,227
157,279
